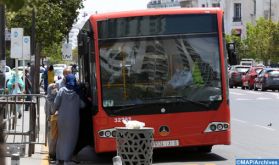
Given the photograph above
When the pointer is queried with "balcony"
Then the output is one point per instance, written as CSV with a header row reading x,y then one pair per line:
x,y
236,19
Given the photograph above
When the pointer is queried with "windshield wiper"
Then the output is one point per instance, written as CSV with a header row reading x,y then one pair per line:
x,y
180,98
194,102
168,99
127,107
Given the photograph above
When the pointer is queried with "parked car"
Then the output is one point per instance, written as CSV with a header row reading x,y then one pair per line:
x,y
248,79
8,74
58,73
235,74
268,79
247,61
60,65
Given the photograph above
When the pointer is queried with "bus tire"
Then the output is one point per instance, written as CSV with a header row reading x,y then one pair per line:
x,y
204,149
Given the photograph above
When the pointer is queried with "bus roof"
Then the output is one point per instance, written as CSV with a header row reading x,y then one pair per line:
x,y
149,12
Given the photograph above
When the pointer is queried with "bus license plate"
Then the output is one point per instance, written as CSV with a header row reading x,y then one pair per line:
x,y
166,143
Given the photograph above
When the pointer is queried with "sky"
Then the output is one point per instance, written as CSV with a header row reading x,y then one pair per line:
x,y
113,5
102,6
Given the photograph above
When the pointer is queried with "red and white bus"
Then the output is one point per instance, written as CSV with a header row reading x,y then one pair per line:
x,y
164,67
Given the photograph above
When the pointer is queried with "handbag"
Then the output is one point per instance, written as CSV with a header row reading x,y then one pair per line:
x,y
54,126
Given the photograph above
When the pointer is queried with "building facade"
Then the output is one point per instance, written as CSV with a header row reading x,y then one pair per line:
x,y
163,4
237,13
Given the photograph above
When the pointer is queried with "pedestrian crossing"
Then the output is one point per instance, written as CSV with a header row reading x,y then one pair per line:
x,y
247,95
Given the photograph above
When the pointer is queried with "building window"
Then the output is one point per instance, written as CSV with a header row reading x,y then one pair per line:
x,y
237,12
255,8
215,4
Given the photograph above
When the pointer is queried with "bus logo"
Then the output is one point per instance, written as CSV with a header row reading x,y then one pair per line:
x,y
164,131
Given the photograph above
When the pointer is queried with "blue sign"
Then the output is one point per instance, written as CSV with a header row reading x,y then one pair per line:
x,y
26,40
15,34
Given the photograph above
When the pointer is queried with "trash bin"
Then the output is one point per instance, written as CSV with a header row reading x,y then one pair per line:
x,y
135,146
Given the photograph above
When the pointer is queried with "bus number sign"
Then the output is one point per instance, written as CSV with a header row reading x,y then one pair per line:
x,y
120,119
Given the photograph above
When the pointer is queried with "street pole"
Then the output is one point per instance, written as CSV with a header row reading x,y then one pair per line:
x,y
3,62
33,52
270,10
2,45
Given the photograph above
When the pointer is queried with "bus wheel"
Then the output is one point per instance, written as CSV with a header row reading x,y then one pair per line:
x,y
205,149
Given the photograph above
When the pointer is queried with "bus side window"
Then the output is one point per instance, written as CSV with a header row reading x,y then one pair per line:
x,y
92,71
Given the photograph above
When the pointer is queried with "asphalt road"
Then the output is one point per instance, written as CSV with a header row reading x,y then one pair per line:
x,y
255,133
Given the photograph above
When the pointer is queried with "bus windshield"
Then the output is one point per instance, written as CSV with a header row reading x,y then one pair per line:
x,y
174,68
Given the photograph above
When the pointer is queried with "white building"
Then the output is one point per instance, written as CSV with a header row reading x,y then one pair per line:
x,y
163,4
237,13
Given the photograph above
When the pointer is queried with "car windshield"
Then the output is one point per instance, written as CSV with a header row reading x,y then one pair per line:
x,y
258,70
58,72
274,73
139,71
242,69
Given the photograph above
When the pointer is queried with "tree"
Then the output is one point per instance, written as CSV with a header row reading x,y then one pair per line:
x,y
13,4
75,55
259,39
54,19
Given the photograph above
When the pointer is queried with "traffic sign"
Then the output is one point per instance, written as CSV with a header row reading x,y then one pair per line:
x,y
16,42
67,52
26,48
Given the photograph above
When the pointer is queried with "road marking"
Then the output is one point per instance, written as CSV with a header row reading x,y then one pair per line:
x,y
255,93
268,128
238,120
243,99
235,93
263,98
275,94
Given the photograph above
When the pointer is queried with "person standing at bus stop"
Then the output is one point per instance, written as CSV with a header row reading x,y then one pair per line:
x,y
16,86
68,103
62,82
48,77
28,88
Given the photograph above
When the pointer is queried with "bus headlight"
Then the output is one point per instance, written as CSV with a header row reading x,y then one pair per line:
x,y
107,133
217,126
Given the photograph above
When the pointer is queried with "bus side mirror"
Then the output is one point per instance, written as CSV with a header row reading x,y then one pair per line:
x,y
231,54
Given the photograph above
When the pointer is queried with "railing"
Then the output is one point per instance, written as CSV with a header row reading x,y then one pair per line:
x,y
23,122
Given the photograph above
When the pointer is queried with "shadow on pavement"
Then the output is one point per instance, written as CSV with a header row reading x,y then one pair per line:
x,y
184,155
88,156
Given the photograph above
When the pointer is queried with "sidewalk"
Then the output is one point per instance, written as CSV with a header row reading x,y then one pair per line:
x,y
39,158
86,156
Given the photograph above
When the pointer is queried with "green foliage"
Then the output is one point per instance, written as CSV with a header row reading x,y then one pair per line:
x,y
261,41
54,19
13,4
53,52
75,55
